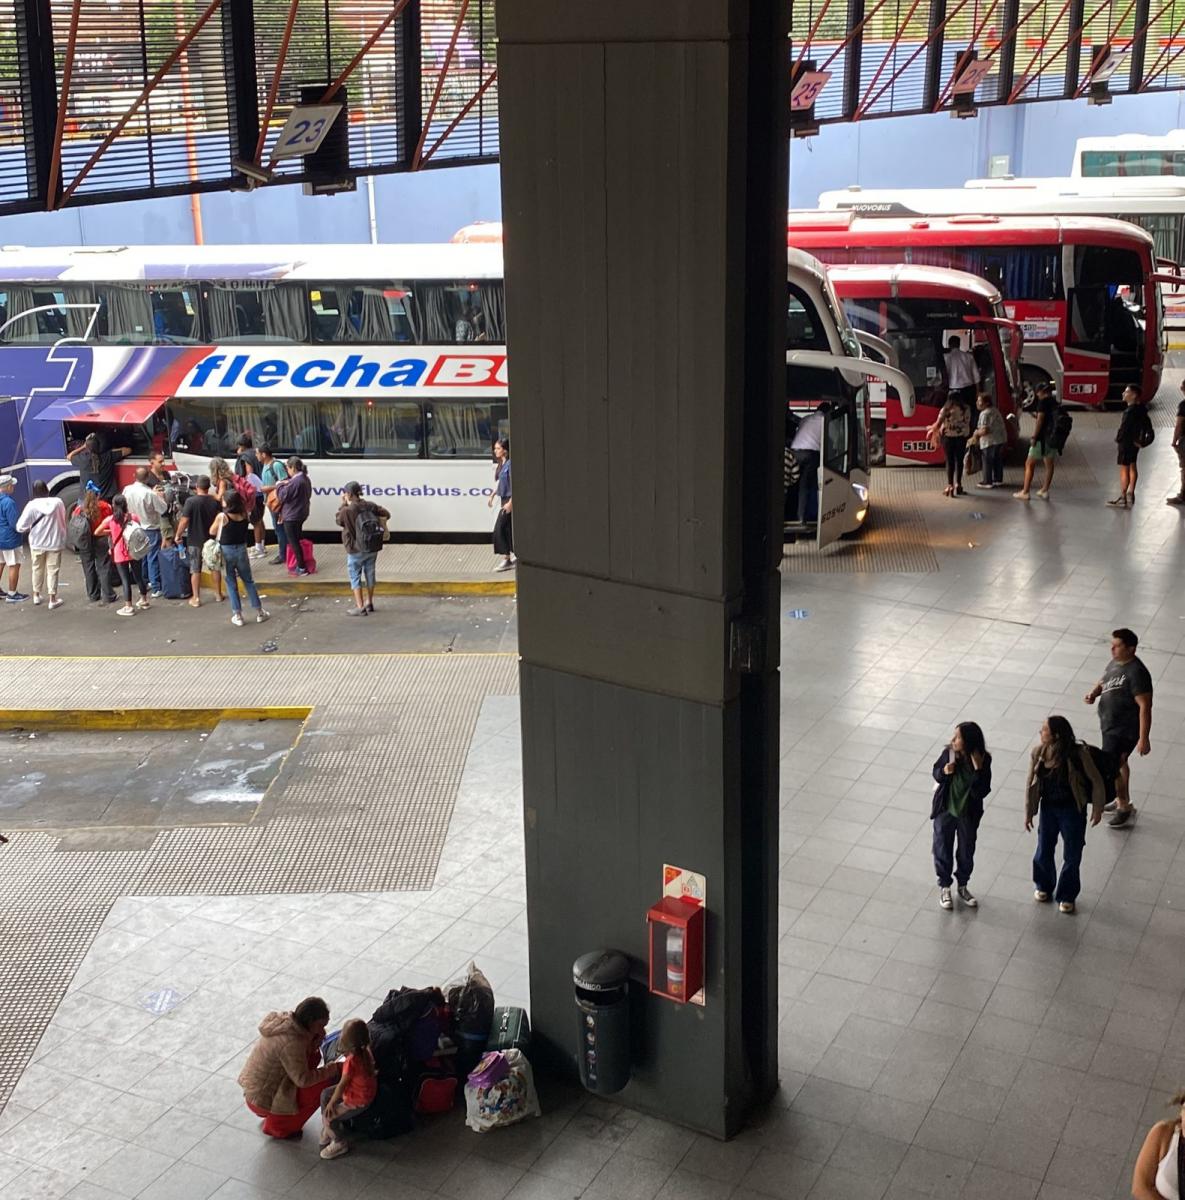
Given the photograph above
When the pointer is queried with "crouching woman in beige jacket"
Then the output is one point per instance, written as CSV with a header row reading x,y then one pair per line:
x,y
1063,782
283,1077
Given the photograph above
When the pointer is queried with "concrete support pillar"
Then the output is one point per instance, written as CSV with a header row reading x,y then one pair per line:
x,y
644,182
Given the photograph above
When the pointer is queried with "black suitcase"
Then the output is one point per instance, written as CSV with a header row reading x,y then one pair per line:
x,y
511,1030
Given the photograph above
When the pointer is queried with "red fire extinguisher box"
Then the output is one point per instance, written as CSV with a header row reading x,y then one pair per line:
x,y
676,948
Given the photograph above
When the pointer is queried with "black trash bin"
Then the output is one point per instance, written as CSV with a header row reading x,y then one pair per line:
x,y
603,1012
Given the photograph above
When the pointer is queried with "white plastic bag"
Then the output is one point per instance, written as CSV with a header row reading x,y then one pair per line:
x,y
504,1103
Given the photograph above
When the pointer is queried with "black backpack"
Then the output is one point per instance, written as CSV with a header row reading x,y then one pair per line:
x,y
1145,435
1107,766
78,530
1062,425
368,529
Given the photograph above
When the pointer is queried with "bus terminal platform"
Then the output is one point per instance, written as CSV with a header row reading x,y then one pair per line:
x,y
1006,1052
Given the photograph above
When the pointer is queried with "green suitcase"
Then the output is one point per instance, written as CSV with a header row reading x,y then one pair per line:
x,y
511,1030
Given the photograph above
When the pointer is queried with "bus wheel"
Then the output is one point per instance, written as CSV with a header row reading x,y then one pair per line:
x,y
68,494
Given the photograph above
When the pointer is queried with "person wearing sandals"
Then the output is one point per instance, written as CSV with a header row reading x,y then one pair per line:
x,y
1160,1168
963,777
1063,781
232,527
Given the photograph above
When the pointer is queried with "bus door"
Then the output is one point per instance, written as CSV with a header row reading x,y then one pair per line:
x,y
1005,341
1104,323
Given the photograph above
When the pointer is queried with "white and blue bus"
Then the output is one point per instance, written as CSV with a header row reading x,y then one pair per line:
x,y
386,364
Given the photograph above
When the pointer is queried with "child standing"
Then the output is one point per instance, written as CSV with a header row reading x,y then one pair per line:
x,y
963,774
129,568
355,1091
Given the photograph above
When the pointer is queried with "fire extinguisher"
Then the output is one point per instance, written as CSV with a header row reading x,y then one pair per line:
x,y
675,970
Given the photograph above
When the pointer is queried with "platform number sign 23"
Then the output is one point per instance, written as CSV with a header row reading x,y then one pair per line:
x,y
807,88
305,130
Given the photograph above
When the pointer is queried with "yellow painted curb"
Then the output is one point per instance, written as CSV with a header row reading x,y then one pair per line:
x,y
384,587
143,718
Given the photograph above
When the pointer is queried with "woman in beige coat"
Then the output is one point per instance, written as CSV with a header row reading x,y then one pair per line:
x,y
283,1077
1063,781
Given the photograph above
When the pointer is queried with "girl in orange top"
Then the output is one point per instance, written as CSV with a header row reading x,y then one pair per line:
x,y
355,1091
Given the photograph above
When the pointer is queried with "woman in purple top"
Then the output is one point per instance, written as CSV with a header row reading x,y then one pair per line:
x,y
295,493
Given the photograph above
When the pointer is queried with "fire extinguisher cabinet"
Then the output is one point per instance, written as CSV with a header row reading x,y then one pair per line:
x,y
676,948
602,982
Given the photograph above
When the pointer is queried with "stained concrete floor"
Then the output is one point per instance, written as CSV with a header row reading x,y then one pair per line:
x,y
81,778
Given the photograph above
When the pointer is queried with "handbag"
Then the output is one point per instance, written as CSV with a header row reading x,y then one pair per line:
x,y
212,555
274,503
973,461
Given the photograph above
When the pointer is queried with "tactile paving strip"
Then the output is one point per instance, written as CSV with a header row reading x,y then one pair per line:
x,y
363,803
896,539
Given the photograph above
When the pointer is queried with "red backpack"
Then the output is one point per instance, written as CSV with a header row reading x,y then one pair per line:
x,y
246,489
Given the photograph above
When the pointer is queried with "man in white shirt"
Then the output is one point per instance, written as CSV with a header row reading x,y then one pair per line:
x,y
44,520
806,447
962,375
148,505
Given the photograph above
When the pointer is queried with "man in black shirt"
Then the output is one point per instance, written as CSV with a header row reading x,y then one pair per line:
x,y
1179,446
98,464
1125,715
1135,431
199,513
1042,447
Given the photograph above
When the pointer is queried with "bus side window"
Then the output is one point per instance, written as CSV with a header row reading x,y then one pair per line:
x,y
455,313
363,312
257,312
44,328
804,330
466,428
372,429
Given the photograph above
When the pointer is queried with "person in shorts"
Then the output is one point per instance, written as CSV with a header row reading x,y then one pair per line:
x,y
12,552
1179,447
197,517
1125,716
1041,448
1135,430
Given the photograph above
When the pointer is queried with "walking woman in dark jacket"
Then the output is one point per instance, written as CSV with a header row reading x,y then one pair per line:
x,y
963,774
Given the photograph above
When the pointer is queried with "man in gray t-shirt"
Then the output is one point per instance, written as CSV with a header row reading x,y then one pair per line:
x,y
1125,715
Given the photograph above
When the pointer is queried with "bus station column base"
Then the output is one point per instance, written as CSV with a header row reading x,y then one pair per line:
x,y
644,179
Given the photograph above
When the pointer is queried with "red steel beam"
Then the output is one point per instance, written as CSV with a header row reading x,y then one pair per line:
x,y
1025,77
905,65
1072,37
852,34
417,158
975,35
460,116
369,44
164,69
274,90
1165,68
1111,36
901,27
810,37
1167,47
55,163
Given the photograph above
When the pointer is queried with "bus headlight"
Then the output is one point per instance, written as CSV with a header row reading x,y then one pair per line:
x,y
862,497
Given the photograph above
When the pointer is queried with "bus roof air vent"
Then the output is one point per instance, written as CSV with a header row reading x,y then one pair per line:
x,y
974,219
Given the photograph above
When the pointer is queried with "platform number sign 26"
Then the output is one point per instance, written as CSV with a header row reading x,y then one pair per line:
x,y
305,130
807,88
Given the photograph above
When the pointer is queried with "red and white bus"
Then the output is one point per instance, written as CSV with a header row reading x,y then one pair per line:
x,y
916,311
1083,289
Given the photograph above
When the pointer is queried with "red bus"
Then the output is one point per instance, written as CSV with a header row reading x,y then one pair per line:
x,y
1083,289
916,311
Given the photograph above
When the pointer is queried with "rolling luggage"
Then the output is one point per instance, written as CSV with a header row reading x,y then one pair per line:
x,y
174,575
511,1030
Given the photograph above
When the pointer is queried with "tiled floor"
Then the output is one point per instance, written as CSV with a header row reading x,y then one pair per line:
x,y
1008,1052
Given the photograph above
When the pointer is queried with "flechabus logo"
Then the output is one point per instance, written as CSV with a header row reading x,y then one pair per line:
x,y
334,371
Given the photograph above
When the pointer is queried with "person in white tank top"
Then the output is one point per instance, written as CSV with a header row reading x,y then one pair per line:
x,y
1157,1174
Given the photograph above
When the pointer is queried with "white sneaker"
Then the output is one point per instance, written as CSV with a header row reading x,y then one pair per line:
x,y
142,604
335,1150
944,900
126,611
236,619
261,616
36,598
505,565
55,604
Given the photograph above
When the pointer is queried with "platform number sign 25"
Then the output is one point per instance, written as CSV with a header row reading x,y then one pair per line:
x,y
305,130
807,88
